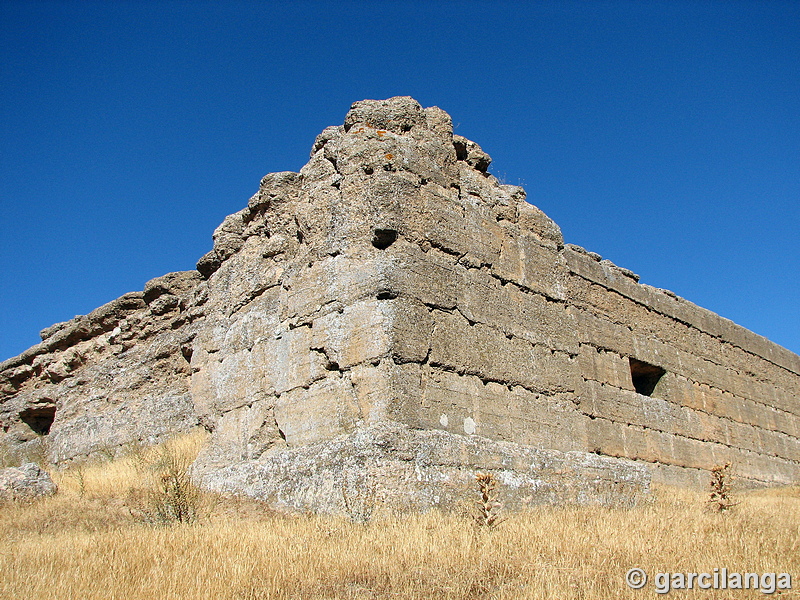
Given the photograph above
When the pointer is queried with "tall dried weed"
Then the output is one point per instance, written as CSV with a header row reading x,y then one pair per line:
x,y
489,508
721,497
173,497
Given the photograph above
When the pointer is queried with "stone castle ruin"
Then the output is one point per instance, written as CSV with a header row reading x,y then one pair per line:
x,y
391,320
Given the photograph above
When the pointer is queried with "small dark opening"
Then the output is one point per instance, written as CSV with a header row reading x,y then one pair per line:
x,y
187,351
461,150
39,418
645,376
383,238
482,165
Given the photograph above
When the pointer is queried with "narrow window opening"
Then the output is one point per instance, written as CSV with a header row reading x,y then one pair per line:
x,y
383,238
645,376
39,418
461,150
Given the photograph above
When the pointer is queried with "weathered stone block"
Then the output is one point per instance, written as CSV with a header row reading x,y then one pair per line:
x,y
25,482
324,410
373,389
606,437
243,433
431,277
526,262
410,329
528,316
546,421
605,366
294,361
603,333
358,334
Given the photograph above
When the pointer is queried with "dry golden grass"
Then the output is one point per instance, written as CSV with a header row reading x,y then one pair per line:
x,y
85,544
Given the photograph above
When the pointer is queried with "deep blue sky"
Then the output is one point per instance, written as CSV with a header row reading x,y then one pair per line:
x,y
663,135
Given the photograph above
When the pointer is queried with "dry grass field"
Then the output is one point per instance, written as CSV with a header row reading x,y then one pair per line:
x,y
107,535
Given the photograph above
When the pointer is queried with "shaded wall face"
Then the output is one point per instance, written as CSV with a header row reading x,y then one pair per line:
x,y
484,341
478,356
545,346
723,394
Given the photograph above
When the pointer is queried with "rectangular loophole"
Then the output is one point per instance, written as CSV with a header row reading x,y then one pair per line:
x,y
645,376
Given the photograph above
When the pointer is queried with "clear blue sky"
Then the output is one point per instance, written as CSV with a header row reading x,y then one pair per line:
x,y
663,135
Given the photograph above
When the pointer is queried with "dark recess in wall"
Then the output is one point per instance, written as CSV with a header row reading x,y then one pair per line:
x,y
645,376
39,418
